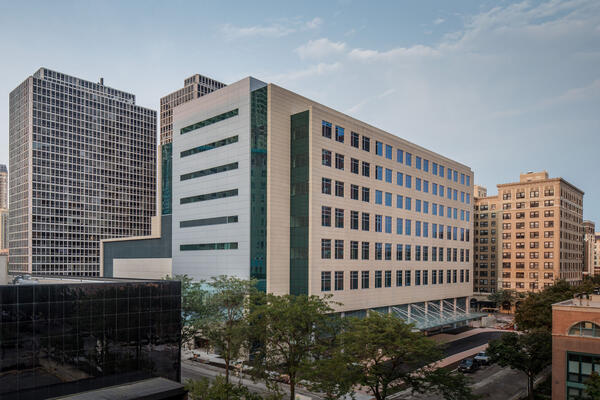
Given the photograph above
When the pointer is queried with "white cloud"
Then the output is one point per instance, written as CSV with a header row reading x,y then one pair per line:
x,y
320,48
376,55
277,29
439,21
309,72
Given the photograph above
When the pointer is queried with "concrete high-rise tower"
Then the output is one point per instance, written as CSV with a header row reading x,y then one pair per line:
x,y
83,168
3,187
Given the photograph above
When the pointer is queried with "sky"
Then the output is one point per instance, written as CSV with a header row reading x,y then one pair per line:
x,y
503,87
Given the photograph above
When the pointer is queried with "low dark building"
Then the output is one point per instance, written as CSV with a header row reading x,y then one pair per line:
x,y
64,336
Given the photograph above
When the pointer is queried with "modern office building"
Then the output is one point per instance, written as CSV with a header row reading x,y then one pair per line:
x,y
589,247
83,168
3,187
487,241
60,336
575,345
542,232
150,256
273,186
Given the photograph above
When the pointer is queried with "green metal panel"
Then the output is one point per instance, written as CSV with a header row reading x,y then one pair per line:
x,y
167,179
258,187
299,203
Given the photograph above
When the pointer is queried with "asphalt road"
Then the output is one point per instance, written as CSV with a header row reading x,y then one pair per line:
x,y
470,342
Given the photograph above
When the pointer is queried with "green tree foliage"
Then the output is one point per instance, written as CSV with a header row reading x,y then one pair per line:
x,y
535,312
287,332
194,306
390,354
592,386
225,327
529,352
203,389
333,373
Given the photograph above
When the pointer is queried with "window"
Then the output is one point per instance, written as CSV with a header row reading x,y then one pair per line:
x,y
418,184
388,199
408,159
354,166
326,129
399,201
425,277
407,202
366,169
325,248
339,161
378,219
388,224
339,218
388,151
339,189
354,192
325,281
407,252
426,165
339,134
418,162
417,278
326,186
388,175
365,279
378,148
399,277
353,280
407,224
378,172
399,179
354,139
365,221
339,280
353,250
378,251
325,216
378,197
400,156
378,279
441,174
398,252
406,278
366,143
354,220
426,186
579,369
339,249
326,158
417,205
408,181
365,250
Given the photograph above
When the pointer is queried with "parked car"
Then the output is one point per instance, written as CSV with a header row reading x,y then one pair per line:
x,y
468,365
482,358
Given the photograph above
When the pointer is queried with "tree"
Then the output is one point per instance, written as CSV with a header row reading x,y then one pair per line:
x,y
226,325
203,389
535,312
194,306
333,374
389,354
592,386
286,332
529,352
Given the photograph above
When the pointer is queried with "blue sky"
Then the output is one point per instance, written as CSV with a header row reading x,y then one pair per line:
x,y
504,87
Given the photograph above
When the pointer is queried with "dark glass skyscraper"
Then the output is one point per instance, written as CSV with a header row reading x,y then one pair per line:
x,y
83,163
64,337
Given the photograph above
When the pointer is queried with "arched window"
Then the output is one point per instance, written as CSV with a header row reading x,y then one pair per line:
x,y
585,328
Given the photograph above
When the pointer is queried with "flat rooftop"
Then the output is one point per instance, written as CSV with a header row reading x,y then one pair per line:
x,y
587,301
68,280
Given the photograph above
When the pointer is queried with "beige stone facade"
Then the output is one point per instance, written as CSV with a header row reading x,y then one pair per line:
x,y
589,247
487,226
542,232
397,170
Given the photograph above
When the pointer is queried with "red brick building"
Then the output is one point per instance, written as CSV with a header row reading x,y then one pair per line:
x,y
575,345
